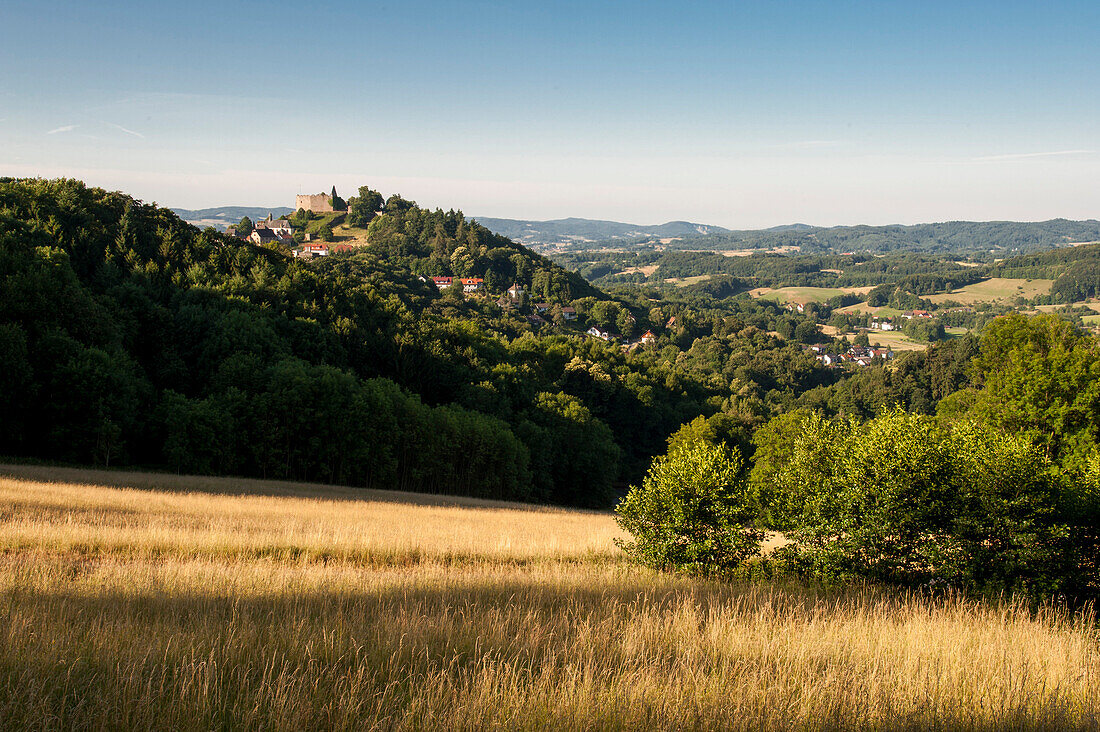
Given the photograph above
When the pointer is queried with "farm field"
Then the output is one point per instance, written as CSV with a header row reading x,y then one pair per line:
x,y
1051,308
895,340
158,601
995,290
685,281
862,307
805,294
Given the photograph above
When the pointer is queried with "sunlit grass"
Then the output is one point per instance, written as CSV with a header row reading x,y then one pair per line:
x,y
169,609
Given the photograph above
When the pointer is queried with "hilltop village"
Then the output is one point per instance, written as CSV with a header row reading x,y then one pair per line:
x,y
324,224
320,227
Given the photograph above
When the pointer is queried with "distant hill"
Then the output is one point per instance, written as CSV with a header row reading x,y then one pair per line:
x,y
975,240
223,216
573,230
978,240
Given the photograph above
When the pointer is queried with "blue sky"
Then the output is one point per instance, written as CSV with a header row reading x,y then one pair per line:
x,y
742,114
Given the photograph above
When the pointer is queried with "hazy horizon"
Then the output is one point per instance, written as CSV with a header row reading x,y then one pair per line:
x,y
745,115
482,216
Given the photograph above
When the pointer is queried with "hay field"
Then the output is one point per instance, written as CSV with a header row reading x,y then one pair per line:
x,y
805,294
685,281
154,602
995,290
895,340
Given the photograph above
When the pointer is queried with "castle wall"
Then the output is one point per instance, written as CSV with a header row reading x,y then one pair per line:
x,y
317,203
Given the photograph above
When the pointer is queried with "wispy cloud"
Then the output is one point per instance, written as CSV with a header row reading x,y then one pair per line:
x,y
62,128
1024,156
123,129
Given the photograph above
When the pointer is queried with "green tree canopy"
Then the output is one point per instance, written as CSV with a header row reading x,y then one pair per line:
x,y
691,513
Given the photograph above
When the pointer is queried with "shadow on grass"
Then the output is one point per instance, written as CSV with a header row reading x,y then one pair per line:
x,y
231,486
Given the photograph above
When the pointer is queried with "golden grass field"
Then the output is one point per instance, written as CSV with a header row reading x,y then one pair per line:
x,y
895,340
805,294
995,290
137,601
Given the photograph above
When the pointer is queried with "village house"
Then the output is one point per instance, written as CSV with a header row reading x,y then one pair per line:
x,y
442,283
884,324
568,313
268,236
536,320
515,291
472,284
280,227
312,250
923,314
648,338
541,307
603,335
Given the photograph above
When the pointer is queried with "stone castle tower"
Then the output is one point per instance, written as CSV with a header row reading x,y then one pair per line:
x,y
317,203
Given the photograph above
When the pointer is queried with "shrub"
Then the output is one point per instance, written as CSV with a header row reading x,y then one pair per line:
x,y
907,500
692,512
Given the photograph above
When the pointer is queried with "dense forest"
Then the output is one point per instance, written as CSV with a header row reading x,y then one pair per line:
x,y
919,274
129,337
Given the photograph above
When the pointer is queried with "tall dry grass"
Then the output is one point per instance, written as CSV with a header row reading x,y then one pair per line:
x,y
141,608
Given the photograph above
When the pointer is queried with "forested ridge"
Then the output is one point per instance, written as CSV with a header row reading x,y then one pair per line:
x,y
916,273
977,240
129,337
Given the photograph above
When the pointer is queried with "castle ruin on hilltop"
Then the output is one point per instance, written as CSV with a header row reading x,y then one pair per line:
x,y
317,203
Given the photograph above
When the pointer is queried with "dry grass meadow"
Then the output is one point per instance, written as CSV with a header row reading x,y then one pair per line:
x,y
995,290
133,601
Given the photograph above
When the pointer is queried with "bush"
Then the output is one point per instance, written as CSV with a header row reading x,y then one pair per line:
x,y
691,513
908,500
